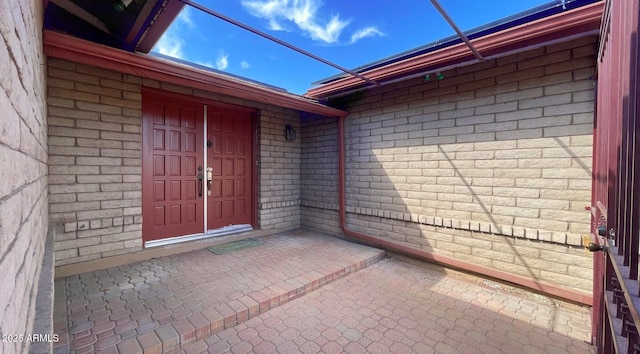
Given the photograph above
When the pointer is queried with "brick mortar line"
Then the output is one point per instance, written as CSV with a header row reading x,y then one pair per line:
x,y
21,79
25,219
26,153
275,300
12,56
18,272
278,205
571,239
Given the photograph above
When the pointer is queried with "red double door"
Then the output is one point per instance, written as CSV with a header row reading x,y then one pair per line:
x,y
196,167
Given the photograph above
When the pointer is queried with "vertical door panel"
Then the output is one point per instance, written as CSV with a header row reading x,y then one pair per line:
x,y
230,156
173,135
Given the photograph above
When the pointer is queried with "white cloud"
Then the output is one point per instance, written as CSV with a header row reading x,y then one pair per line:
x,y
275,26
245,64
364,33
223,61
171,45
303,13
171,42
185,17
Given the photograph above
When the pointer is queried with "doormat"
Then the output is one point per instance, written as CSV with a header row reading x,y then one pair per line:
x,y
234,246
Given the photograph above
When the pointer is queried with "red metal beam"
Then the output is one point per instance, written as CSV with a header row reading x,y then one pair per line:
x,y
616,185
159,25
142,18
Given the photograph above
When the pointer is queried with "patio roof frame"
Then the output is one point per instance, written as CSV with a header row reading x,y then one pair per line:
x,y
455,27
584,20
277,40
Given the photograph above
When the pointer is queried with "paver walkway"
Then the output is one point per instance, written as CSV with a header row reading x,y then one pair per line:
x,y
395,306
251,301
167,303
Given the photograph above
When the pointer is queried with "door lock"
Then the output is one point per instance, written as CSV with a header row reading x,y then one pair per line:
x,y
209,180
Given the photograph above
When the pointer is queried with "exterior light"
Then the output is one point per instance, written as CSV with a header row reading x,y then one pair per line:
x,y
289,133
121,5
440,75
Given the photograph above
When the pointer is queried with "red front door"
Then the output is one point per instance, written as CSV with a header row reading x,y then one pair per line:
x,y
229,156
176,179
173,139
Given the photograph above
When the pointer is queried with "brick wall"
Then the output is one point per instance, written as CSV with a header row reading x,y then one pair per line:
x,y
491,165
279,171
95,161
319,174
23,157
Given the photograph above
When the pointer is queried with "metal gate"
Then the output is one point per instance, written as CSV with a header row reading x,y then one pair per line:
x,y
616,183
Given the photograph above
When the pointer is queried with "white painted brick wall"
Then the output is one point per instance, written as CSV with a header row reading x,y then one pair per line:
x,y
23,157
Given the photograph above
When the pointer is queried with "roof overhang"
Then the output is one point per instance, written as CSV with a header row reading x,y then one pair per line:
x,y
136,28
579,22
62,46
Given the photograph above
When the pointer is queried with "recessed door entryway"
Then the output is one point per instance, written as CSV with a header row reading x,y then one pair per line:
x,y
197,173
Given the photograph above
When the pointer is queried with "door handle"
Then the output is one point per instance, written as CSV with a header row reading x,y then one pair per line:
x,y
200,177
209,180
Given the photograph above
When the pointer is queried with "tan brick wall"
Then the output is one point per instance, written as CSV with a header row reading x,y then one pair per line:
x,y
95,161
279,171
494,155
319,174
23,157
95,122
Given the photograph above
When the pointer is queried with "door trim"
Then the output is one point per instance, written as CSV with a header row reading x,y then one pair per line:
x,y
224,231
204,167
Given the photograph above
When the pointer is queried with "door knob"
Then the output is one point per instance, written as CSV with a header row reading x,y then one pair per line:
x,y
200,184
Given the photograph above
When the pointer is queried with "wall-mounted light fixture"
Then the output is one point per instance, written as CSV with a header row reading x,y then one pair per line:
x,y
121,5
289,133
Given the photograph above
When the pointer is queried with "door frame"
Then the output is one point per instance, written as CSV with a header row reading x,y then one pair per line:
x,y
208,103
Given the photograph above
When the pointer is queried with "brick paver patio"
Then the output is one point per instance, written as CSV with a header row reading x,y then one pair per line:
x,y
241,302
397,307
167,303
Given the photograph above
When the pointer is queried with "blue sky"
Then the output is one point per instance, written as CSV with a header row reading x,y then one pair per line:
x,y
349,33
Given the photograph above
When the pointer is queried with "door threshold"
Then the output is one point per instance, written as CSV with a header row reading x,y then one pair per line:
x,y
223,231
